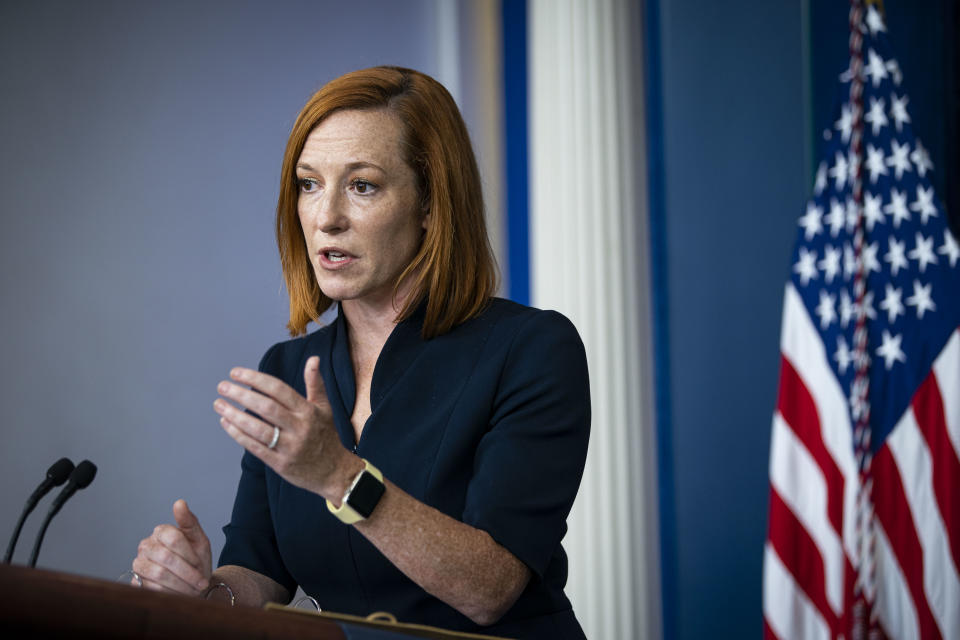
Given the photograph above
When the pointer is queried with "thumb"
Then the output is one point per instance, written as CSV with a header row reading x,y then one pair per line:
x,y
188,524
316,392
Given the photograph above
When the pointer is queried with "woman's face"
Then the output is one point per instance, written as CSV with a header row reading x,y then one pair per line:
x,y
358,206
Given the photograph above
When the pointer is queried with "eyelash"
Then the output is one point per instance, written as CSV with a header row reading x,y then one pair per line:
x,y
368,186
303,183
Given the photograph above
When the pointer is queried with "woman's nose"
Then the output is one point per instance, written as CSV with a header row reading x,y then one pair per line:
x,y
328,213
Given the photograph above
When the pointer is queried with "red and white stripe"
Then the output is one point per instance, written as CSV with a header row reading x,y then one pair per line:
x,y
811,550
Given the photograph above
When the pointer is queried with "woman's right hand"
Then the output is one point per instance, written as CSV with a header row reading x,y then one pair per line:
x,y
176,558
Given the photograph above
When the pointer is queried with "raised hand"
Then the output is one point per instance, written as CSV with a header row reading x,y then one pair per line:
x,y
306,450
176,558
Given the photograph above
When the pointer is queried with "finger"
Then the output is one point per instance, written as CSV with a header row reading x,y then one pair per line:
x,y
252,445
264,406
268,385
189,525
164,581
316,392
251,425
172,539
158,564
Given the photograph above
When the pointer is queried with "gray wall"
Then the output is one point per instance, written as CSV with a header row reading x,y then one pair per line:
x,y
140,148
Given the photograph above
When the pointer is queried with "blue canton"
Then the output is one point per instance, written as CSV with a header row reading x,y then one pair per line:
x,y
912,301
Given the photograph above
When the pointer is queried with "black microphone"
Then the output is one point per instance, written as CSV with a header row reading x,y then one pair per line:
x,y
81,477
57,474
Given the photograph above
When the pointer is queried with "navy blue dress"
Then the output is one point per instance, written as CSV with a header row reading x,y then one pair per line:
x,y
487,423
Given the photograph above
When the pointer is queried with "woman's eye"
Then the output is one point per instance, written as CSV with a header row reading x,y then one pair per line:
x,y
307,185
363,187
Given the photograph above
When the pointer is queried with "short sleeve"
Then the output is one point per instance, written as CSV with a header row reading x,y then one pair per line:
x,y
528,466
251,541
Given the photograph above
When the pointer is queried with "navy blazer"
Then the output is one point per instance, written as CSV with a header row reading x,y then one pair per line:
x,y
488,423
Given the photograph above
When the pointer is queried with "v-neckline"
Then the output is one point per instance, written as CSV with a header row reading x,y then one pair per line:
x,y
396,356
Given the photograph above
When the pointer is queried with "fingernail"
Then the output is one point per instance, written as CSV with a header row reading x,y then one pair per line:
x,y
235,372
223,387
218,404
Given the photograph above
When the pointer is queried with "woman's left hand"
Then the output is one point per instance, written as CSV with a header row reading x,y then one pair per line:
x,y
307,452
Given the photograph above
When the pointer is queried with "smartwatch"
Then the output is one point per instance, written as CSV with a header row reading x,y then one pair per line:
x,y
361,497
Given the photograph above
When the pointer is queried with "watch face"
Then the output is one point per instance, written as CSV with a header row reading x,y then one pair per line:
x,y
366,494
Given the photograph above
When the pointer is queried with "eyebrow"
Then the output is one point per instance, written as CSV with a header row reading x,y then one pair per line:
x,y
350,167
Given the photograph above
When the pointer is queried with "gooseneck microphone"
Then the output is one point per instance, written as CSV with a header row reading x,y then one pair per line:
x,y
57,474
81,477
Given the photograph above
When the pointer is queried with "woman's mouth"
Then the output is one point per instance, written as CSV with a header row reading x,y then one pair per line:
x,y
332,258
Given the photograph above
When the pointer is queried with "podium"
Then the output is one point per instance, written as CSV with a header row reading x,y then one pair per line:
x,y
40,603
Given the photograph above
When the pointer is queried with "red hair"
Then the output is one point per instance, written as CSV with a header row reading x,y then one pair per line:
x,y
454,269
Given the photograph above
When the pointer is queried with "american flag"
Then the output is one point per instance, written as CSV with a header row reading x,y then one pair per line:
x,y
885,524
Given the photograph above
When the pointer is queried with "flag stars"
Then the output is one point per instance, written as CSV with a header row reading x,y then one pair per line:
x,y
853,215
922,298
849,261
870,262
923,252
846,308
842,355
836,217
874,21
872,214
924,204
845,124
840,170
921,159
806,268
826,309
830,265
875,163
875,68
897,207
898,158
894,70
890,350
892,303
896,256
865,307
949,248
821,181
876,116
811,221
898,110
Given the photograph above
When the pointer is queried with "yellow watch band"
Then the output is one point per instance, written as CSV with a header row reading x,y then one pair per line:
x,y
345,512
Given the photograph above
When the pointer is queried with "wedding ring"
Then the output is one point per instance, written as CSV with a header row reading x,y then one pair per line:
x,y
209,595
276,436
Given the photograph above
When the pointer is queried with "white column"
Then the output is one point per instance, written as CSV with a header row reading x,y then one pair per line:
x,y
589,260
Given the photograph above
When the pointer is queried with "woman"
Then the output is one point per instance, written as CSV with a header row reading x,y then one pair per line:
x,y
420,454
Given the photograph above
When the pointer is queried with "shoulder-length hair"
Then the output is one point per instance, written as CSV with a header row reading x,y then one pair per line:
x,y
454,269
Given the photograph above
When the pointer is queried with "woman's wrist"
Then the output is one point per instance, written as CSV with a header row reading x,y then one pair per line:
x,y
342,477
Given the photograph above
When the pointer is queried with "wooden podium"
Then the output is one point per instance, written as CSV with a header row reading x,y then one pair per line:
x,y
39,603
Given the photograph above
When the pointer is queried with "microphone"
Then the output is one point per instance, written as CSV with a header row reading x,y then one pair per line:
x,y
81,477
56,475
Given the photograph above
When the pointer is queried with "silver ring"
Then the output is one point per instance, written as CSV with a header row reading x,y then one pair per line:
x,y
276,436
